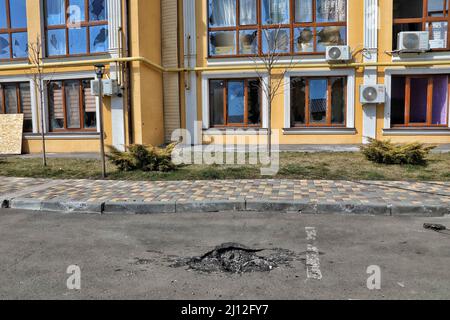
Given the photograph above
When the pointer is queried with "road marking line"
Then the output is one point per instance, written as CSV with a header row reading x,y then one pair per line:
x,y
312,255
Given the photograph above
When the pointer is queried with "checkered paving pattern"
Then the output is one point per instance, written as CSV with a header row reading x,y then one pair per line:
x,y
14,185
332,192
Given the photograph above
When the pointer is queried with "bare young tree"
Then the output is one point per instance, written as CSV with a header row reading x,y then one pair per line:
x,y
38,77
270,83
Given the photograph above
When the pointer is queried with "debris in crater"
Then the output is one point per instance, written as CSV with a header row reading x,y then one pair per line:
x,y
435,227
141,261
237,258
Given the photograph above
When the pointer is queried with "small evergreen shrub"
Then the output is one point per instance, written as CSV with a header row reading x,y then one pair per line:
x,y
386,152
145,158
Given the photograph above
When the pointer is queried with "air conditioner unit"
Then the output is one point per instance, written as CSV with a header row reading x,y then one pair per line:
x,y
110,87
372,94
95,88
418,41
338,53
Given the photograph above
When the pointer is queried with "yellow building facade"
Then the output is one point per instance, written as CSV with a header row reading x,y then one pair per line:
x,y
74,36
198,65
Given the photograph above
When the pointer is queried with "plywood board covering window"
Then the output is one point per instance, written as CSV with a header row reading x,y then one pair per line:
x,y
15,98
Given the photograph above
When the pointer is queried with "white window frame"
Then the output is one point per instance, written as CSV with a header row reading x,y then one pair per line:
x,y
242,75
350,103
387,107
34,117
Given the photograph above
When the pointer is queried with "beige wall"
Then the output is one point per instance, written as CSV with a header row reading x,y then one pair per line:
x,y
147,87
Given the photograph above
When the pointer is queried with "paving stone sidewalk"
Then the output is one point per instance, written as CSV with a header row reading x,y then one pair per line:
x,y
303,196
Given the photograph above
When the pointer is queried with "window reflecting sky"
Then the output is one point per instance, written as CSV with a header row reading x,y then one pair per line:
x,y
97,10
56,42
18,11
20,45
99,39
77,41
4,46
3,14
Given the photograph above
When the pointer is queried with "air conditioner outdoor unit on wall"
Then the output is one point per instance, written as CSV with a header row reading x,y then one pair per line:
x,y
373,94
338,53
110,87
418,41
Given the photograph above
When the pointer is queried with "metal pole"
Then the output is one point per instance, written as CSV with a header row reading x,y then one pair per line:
x,y
102,133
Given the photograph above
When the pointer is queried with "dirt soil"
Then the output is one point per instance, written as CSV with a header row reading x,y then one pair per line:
x,y
238,258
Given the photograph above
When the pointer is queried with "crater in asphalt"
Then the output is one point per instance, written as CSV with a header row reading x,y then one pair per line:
x,y
237,258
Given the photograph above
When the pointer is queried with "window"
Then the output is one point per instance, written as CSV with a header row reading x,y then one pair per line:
x,y
15,98
423,15
72,107
235,102
253,27
13,30
318,101
420,101
76,27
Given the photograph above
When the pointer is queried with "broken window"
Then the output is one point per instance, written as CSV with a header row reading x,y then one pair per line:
x,y
318,101
13,30
422,15
235,102
419,101
76,27
253,27
15,98
71,106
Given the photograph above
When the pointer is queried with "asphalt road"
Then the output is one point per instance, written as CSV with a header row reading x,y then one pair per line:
x,y
130,257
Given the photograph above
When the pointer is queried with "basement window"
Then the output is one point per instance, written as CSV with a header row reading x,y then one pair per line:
x,y
72,107
420,101
318,102
235,103
15,98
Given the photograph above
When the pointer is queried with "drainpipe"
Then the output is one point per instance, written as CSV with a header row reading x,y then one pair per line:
x,y
127,73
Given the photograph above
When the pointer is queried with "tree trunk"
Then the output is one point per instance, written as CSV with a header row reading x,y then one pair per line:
x,y
269,111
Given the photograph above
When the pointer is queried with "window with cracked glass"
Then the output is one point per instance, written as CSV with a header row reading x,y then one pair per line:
x,y
76,27
13,30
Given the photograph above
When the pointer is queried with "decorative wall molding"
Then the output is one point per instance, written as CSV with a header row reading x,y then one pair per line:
x,y
190,60
370,54
114,25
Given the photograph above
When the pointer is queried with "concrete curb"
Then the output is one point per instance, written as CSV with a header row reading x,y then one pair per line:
x,y
72,206
139,207
240,205
211,206
424,210
56,206
306,207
